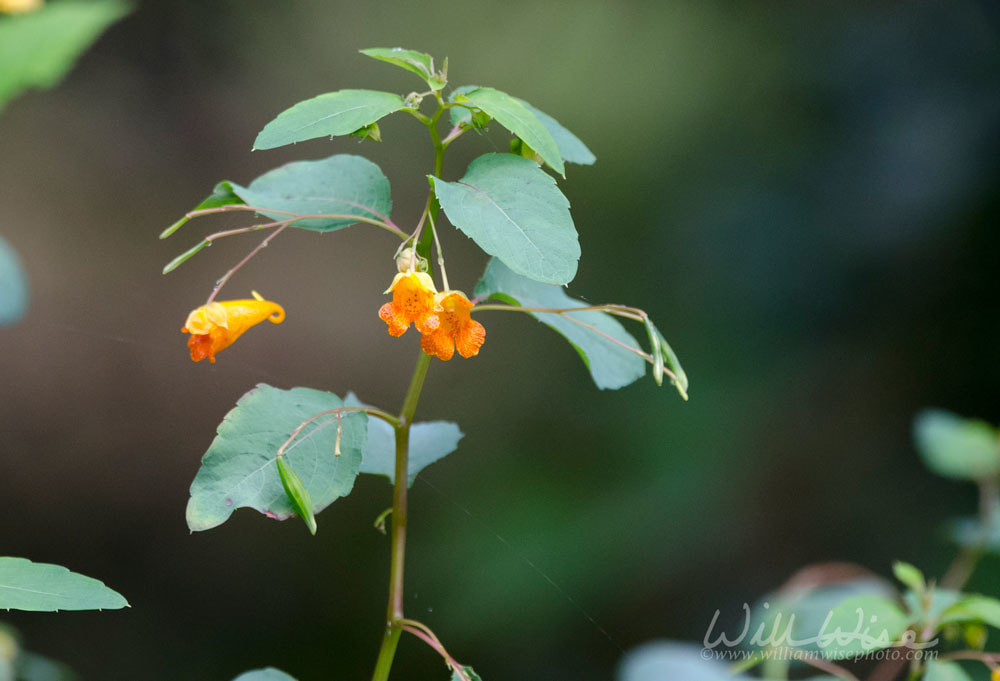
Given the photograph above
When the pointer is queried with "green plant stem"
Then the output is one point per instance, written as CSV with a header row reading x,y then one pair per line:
x,y
394,611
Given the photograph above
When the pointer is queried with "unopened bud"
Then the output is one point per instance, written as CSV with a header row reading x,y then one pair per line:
x,y
405,261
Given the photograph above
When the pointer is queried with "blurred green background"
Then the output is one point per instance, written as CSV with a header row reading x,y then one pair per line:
x,y
804,195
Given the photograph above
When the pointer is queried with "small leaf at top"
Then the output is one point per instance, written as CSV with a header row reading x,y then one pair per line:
x,y
13,286
517,118
955,447
335,113
513,210
42,587
239,471
265,674
910,576
411,60
610,365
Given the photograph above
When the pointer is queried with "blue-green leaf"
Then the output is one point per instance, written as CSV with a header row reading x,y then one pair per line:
x,y
265,674
33,667
863,624
512,114
470,674
335,113
571,148
610,365
945,670
38,48
239,471
956,447
42,587
672,661
13,286
513,210
411,60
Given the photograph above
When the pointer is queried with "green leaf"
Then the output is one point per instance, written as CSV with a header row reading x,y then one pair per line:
x,y
429,442
297,494
239,471
910,576
970,532
940,600
862,624
13,286
470,672
973,609
38,48
42,587
32,667
671,661
335,113
610,365
512,114
462,114
512,209
414,62
222,195
331,185
955,447
938,670
571,148
265,674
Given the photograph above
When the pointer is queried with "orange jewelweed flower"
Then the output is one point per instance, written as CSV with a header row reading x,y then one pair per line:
x,y
457,329
18,6
214,327
413,301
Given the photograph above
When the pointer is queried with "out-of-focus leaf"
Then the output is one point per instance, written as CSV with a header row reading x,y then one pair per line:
x,y
265,674
239,470
955,447
969,531
42,587
973,608
470,672
513,210
610,365
940,600
512,114
32,667
411,60
672,661
13,286
945,670
38,48
863,624
909,575
571,148
335,113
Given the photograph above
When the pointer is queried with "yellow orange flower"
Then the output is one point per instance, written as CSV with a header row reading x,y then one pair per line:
x,y
456,329
413,301
18,6
214,327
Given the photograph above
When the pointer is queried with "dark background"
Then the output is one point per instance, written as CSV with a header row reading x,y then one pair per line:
x,y
804,196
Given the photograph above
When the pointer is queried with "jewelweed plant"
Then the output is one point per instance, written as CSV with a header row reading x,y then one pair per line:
x,y
294,452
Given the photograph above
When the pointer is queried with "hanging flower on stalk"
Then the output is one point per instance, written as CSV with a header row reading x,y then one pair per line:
x,y
215,326
456,330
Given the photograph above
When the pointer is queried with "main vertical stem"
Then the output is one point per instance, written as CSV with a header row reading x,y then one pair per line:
x,y
394,610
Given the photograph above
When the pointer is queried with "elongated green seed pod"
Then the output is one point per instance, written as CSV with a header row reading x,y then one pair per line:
x,y
297,493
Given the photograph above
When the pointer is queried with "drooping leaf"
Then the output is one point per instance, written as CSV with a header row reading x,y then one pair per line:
x,y
514,211
945,670
955,447
42,587
334,113
571,148
411,60
429,442
265,674
973,608
38,48
610,365
512,114
862,624
13,286
239,471
670,661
